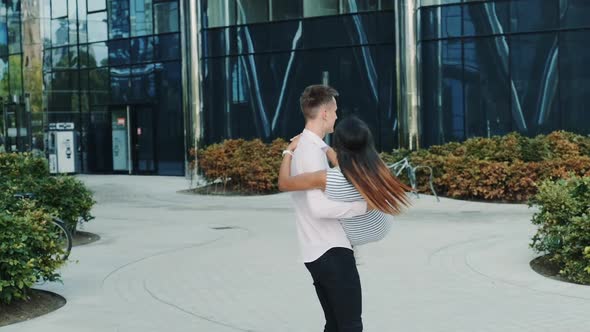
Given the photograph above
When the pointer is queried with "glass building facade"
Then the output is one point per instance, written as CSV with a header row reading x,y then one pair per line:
x,y
142,81
492,67
258,56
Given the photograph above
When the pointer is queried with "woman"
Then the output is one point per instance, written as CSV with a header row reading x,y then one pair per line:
x,y
361,175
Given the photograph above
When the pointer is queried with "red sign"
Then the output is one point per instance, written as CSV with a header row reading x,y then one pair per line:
x,y
121,121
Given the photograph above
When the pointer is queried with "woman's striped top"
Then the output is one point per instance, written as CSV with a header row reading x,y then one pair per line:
x,y
369,227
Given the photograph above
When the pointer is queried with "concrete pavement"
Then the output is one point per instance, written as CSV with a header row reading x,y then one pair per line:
x,y
175,262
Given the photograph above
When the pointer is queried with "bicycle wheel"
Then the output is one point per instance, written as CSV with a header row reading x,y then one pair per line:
x,y
63,237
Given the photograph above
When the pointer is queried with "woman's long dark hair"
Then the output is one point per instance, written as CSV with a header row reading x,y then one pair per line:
x,y
361,165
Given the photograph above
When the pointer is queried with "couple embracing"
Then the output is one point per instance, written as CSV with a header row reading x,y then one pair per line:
x,y
337,208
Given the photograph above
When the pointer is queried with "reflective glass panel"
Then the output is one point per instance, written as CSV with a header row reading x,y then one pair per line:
x,y
60,33
98,86
142,49
252,11
98,55
574,77
119,18
533,15
355,6
61,59
4,76
97,27
486,87
143,82
489,18
575,13
440,22
282,10
95,5
16,74
218,13
141,17
320,7
59,8
166,16
14,32
534,71
120,83
167,47
119,52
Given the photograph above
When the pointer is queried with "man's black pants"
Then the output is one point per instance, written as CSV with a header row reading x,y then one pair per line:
x,y
338,286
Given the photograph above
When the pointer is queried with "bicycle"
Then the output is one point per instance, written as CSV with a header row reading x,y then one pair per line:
x,y
399,166
58,227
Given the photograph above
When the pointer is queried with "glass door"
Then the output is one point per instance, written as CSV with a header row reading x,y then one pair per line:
x,y
120,139
16,123
143,136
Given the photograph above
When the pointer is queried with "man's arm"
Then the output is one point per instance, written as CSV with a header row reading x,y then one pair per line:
x,y
312,160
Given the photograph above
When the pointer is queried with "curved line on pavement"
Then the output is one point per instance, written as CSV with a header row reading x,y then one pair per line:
x,y
192,313
155,255
457,244
520,286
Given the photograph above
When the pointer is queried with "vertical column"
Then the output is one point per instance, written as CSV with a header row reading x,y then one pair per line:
x,y
191,75
407,73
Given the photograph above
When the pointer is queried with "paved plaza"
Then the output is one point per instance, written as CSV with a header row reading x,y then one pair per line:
x,y
172,262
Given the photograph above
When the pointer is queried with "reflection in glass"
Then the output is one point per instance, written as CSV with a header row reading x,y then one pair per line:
x,y
95,5
485,18
574,77
119,18
533,63
219,13
167,47
98,55
440,22
59,35
119,52
142,49
533,15
60,58
575,13
143,83
166,16
141,17
16,74
59,8
443,118
4,76
282,10
437,2
487,88
355,6
3,31
252,11
97,27
98,86
320,7
14,32
82,23
120,82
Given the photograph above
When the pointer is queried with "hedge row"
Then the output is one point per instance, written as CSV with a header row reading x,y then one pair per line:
x,y
508,168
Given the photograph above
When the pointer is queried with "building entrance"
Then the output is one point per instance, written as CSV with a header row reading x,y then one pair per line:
x,y
133,139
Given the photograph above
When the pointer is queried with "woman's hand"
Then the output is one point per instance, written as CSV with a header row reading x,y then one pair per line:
x,y
294,141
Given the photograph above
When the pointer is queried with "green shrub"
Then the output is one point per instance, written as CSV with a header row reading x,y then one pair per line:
x,y
243,166
63,196
564,226
28,252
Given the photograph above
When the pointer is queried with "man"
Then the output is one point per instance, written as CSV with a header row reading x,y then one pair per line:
x,y
325,249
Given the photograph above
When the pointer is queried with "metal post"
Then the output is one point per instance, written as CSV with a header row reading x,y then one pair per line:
x,y
407,73
129,152
191,76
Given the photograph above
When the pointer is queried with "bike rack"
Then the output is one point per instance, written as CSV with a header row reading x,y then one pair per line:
x,y
399,166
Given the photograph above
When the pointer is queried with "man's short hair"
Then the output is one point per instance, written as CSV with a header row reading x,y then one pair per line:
x,y
314,96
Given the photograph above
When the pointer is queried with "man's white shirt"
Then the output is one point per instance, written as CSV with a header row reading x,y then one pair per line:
x,y
316,216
